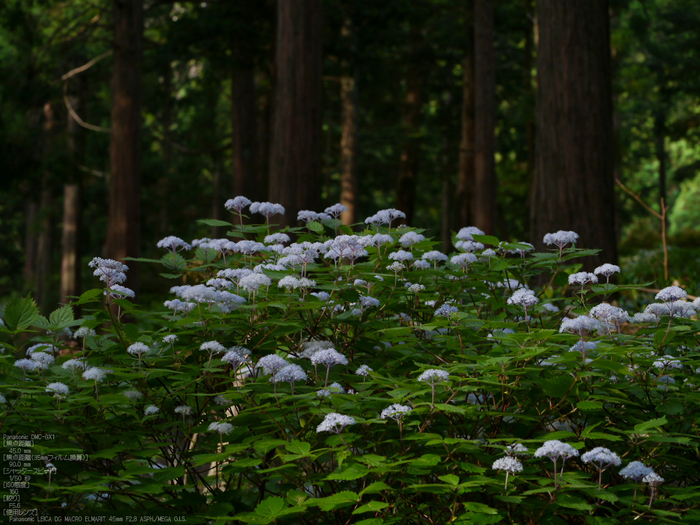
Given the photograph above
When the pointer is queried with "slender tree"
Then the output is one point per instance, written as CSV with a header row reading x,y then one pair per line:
x,y
348,138
484,198
124,226
295,156
408,161
573,187
465,176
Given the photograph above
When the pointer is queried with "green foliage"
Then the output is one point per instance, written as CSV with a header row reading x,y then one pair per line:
x,y
147,430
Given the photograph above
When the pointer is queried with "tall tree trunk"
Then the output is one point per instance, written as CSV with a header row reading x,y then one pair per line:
x,y
295,156
247,179
465,177
30,241
573,187
70,241
348,149
124,226
217,201
484,117
348,138
45,244
408,162
529,94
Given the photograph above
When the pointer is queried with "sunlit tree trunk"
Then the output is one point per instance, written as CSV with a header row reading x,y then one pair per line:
x,y
348,139
124,226
72,206
295,156
573,187
484,117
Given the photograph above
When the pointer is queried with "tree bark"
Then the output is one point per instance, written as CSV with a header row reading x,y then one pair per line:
x,y
295,156
72,206
484,117
247,179
348,138
465,176
408,161
573,188
124,226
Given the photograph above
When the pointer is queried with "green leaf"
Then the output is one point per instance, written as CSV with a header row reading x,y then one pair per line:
x,y
450,479
478,507
352,472
377,486
315,226
270,507
206,255
214,222
296,497
641,428
589,405
486,239
20,313
557,386
62,317
372,506
299,447
132,331
340,499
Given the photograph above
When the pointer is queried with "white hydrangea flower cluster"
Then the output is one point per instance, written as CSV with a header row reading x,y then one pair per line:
x,y
363,371
509,464
395,412
335,423
408,239
58,389
184,410
267,209
602,457
583,278
329,358
401,256
254,281
467,233
636,471
560,238
385,217
83,332
580,325
555,449
671,294
151,410
446,310
137,349
237,203
221,427
109,271
271,364
174,244
434,376
289,374
524,298
336,210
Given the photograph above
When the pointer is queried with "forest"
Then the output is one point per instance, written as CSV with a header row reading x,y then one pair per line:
x,y
124,121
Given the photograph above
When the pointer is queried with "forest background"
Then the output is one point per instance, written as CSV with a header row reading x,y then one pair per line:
x,y
124,121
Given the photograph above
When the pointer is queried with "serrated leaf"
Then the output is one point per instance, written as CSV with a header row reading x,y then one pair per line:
x,y
450,479
270,507
20,313
648,425
339,499
589,405
352,472
473,506
89,296
372,506
377,486
315,226
62,317
298,447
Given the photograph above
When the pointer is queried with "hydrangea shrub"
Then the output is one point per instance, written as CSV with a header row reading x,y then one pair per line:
x,y
313,375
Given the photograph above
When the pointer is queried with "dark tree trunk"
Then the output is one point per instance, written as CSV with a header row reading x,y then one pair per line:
x,y
484,117
348,139
465,177
295,156
167,151
573,188
529,93
247,178
660,147
124,226
408,162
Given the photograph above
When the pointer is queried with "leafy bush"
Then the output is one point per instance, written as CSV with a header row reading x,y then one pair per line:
x,y
359,379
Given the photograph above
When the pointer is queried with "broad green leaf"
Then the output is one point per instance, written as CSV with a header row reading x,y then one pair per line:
x,y
450,479
589,405
372,506
315,226
478,507
270,507
648,425
298,447
352,472
62,317
20,313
